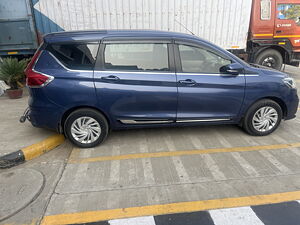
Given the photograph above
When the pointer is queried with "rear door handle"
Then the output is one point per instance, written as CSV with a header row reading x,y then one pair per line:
x,y
189,82
110,77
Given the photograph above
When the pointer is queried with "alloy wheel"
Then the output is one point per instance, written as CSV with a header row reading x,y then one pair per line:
x,y
265,119
85,130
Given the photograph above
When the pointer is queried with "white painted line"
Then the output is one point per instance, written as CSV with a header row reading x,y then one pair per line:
x,y
148,171
114,176
244,163
282,168
296,151
148,220
235,216
195,141
213,167
182,174
180,169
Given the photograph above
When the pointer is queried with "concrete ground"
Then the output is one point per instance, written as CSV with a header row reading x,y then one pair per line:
x,y
15,135
137,168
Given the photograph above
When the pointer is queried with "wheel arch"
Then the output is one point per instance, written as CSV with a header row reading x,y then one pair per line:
x,y
276,99
70,110
284,53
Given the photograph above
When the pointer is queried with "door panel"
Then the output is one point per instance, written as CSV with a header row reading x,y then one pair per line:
x,y
212,96
137,95
130,93
205,96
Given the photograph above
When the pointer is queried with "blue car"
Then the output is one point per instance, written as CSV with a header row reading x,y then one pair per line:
x,y
84,84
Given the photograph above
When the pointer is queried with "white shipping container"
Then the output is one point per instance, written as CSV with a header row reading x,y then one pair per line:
x,y
223,22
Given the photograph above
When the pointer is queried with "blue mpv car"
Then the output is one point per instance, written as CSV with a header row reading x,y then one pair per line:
x,y
86,83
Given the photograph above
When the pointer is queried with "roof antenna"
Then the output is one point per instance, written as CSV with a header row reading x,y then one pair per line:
x,y
184,27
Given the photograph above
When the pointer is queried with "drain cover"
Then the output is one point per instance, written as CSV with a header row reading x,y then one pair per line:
x,y
18,188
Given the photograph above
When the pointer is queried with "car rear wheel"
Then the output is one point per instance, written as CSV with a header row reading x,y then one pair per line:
x,y
262,118
86,128
270,58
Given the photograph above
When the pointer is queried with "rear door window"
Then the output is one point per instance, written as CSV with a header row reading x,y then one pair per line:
x,y
78,56
136,57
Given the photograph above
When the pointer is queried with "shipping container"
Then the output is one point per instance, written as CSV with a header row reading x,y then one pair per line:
x,y
265,32
223,22
17,29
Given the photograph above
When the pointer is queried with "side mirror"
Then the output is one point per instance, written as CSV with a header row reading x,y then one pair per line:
x,y
233,69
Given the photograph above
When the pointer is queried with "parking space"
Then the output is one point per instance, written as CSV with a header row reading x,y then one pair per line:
x,y
137,168
148,172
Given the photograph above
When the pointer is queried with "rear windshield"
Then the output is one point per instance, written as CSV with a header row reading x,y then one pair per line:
x,y
78,56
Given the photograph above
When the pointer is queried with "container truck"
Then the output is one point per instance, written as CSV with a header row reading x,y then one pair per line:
x,y
265,32
17,28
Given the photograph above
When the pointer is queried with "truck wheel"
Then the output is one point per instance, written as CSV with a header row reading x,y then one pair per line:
x,y
262,118
270,58
295,64
86,128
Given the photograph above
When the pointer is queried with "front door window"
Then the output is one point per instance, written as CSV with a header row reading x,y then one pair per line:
x,y
200,60
289,12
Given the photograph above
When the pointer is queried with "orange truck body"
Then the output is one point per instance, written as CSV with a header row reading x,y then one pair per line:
x,y
275,25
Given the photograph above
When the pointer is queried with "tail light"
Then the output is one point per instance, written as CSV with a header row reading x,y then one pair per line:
x,y
35,79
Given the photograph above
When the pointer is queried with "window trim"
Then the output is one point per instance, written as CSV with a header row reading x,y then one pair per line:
x,y
178,58
99,66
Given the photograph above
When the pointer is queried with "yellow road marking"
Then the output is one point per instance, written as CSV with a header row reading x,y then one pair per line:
x,y
262,35
276,36
187,152
286,36
93,216
12,53
74,154
42,147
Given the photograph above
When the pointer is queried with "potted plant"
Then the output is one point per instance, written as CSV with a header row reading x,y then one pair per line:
x,y
12,72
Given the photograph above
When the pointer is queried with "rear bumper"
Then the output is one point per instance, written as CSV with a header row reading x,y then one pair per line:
x,y
48,118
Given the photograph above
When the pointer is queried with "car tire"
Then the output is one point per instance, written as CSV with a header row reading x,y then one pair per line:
x,y
88,123
266,113
270,58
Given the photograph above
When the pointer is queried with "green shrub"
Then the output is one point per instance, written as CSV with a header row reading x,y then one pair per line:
x,y
12,71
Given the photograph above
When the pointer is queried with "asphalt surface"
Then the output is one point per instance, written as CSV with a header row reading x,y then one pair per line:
x,y
146,167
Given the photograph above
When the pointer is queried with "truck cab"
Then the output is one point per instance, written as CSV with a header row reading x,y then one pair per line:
x,y
274,33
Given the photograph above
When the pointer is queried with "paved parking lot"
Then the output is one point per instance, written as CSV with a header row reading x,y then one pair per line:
x,y
157,167
15,135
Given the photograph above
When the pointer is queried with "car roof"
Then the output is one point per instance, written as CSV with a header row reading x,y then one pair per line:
x,y
91,35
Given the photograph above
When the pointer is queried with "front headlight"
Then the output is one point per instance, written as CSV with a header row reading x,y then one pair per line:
x,y
289,82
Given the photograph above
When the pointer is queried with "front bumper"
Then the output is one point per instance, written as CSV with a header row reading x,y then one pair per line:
x,y
292,105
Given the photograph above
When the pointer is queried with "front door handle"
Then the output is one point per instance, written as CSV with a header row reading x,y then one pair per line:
x,y
110,77
189,82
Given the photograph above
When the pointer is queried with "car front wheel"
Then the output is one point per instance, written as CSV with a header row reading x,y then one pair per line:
x,y
262,118
86,128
